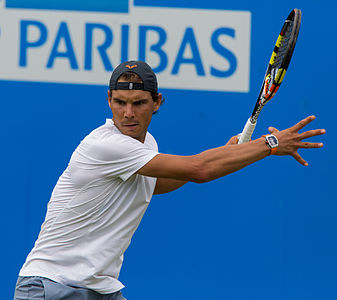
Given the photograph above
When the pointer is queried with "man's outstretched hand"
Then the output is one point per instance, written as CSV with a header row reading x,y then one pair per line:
x,y
290,140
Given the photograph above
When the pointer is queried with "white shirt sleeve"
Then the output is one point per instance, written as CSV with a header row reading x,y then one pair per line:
x,y
118,156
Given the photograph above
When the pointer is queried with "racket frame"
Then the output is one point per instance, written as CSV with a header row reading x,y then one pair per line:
x,y
272,81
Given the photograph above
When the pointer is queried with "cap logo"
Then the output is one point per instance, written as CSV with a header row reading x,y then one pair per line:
x,y
131,67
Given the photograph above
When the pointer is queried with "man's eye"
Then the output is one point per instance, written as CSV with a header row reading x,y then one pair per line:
x,y
120,102
139,102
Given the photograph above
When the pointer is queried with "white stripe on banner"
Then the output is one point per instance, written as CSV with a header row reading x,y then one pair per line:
x,y
195,49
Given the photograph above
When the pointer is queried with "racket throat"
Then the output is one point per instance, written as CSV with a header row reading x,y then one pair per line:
x,y
257,111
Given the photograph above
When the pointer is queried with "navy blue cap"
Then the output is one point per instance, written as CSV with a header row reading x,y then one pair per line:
x,y
142,69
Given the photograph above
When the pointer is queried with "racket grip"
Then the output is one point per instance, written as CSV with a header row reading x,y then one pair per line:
x,y
247,132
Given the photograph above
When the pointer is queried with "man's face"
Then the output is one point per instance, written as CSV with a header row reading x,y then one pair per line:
x,y
132,111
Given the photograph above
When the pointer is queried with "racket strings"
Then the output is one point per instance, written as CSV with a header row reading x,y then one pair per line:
x,y
281,50
277,71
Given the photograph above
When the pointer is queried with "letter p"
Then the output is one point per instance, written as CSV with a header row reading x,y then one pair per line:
x,y
25,44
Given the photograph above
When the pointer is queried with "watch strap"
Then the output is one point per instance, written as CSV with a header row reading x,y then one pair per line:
x,y
273,150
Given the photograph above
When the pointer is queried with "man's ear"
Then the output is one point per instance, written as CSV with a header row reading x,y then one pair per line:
x,y
158,102
109,98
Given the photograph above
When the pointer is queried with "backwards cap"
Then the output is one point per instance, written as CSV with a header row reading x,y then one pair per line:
x,y
142,69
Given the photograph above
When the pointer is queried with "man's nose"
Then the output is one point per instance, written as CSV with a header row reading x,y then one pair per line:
x,y
129,113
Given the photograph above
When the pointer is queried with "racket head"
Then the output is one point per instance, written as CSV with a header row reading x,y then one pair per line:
x,y
279,61
277,68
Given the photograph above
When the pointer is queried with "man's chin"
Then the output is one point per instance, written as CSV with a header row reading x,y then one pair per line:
x,y
131,133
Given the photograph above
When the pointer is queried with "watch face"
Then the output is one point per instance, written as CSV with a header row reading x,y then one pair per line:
x,y
272,140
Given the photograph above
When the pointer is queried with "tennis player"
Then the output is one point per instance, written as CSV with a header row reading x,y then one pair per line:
x,y
100,199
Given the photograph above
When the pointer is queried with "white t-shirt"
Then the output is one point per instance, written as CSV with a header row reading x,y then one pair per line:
x,y
95,208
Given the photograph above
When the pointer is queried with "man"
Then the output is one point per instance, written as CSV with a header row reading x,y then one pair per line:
x,y
98,202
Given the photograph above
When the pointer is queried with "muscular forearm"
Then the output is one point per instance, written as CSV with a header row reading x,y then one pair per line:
x,y
215,163
224,160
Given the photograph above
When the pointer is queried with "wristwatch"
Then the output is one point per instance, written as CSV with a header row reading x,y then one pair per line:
x,y
272,142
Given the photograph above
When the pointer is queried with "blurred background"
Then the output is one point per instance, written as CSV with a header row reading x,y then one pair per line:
x,y
265,232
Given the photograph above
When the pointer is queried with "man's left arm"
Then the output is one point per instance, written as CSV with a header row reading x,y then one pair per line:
x,y
166,185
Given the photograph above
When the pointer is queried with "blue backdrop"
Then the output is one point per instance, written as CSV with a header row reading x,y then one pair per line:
x,y
265,232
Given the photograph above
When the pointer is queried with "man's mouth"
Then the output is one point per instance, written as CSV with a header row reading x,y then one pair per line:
x,y
131,125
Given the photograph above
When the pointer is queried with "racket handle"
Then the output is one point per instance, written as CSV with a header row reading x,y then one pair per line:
x,y
247,132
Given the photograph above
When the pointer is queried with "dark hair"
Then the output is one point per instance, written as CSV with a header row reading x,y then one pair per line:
x,y
133,77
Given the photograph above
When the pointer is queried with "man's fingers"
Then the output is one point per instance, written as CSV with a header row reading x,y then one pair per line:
x,y
273,130
300,159
302,123
311,133
233,140
307,145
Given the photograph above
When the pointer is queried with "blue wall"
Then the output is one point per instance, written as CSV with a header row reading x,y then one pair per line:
x,y
265,232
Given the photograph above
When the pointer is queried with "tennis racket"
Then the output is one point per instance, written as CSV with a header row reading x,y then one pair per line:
x,y
276,70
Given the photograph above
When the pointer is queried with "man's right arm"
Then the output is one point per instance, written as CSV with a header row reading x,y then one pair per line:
x,y
218,162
